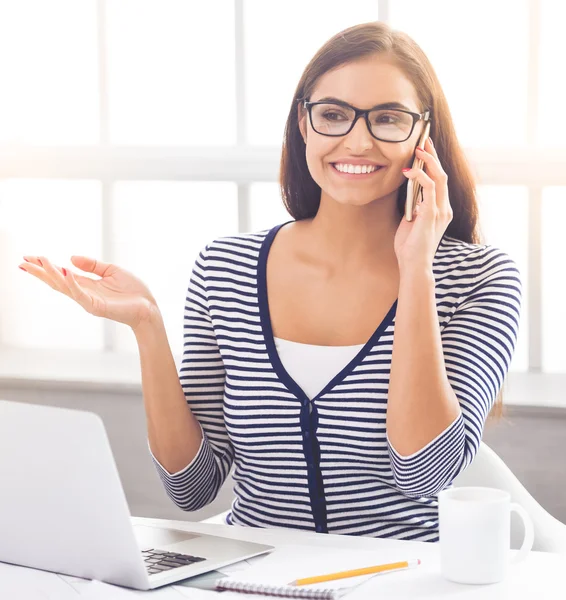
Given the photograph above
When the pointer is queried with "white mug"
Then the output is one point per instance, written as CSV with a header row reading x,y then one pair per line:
x,y
475,534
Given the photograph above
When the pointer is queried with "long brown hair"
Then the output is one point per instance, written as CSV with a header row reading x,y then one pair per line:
x,y
301,194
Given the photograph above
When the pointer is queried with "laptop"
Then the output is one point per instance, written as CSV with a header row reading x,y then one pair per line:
x,y
63,508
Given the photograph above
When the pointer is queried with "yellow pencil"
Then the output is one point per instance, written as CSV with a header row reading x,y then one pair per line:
x,y
407,564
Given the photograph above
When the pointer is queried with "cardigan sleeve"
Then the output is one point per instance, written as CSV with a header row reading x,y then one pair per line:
x,y
478,344
202,378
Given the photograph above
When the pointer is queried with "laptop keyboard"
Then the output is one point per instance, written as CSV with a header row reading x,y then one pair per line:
x,y
157,561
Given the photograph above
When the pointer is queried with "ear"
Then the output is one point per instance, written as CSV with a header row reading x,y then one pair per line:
x,y
301,117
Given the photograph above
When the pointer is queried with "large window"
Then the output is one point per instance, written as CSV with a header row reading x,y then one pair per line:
x,y
170,72
138,130
485,79
49,73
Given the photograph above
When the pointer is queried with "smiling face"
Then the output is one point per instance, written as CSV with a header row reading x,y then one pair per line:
x,y
363,84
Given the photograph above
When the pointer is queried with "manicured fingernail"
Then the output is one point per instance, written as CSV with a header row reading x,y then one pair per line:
x,y
405,170
64,271
22,269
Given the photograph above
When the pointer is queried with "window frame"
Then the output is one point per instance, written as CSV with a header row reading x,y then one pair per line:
x,y
244,164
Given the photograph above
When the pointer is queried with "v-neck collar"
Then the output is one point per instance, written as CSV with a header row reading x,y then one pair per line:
x,y
267,330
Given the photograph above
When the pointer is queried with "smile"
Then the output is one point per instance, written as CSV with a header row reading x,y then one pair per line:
x,y
355,171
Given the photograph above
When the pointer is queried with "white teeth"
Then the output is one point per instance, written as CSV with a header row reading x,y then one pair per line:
x,y
355,168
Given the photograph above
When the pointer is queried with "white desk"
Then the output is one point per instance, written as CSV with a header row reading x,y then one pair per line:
x,y
541,576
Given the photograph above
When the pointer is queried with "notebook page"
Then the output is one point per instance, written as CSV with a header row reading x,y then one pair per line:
x,y
288,563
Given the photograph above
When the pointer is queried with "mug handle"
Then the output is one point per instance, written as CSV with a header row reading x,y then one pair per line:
x,y
529,538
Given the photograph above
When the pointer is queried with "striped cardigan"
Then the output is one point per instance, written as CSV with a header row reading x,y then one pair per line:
x,y
328,465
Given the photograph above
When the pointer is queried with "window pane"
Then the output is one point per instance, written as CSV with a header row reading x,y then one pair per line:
x,y
171,72
485,80
49,72
56,219
266,206
159,229
500,205
552,126
276,56
553,282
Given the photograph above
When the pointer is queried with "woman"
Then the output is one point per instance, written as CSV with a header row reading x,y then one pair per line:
x,y
345,362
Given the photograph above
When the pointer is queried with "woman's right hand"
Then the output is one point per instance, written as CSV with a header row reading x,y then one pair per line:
x,y
118,295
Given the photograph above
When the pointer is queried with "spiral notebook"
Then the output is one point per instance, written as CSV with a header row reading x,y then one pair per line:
x,y
272,575
280,591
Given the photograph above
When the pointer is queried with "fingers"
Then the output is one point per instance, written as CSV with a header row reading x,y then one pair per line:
x,y
433,166
427,206
84,263
77,293
435,174
56,276
35,266
430,148
33,260
91,265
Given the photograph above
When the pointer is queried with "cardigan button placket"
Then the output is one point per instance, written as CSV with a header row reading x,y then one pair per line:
x,y
309,426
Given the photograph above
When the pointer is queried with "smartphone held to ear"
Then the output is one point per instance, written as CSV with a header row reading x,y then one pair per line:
x,y
414,188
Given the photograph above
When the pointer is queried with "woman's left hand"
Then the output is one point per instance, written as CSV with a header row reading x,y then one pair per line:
x,y
416,241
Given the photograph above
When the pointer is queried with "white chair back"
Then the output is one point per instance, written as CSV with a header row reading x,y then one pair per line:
x,y
489,470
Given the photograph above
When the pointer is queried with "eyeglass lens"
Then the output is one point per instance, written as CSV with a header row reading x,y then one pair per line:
x,y
386,124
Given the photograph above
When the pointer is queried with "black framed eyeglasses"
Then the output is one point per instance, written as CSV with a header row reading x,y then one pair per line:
x,y
336,119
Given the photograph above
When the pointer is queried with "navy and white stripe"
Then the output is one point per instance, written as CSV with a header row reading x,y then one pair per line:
x,y
332,468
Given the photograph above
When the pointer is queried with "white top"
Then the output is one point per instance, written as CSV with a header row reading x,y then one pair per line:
x,y
312,367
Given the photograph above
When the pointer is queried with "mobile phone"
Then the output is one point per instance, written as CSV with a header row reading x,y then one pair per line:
x,y
414,188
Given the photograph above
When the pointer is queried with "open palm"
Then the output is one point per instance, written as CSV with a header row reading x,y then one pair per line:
x,y
118,295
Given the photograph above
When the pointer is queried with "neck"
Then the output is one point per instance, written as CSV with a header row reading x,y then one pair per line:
x,y
346,236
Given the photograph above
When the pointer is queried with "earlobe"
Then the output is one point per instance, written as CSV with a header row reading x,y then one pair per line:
x,y
303,133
